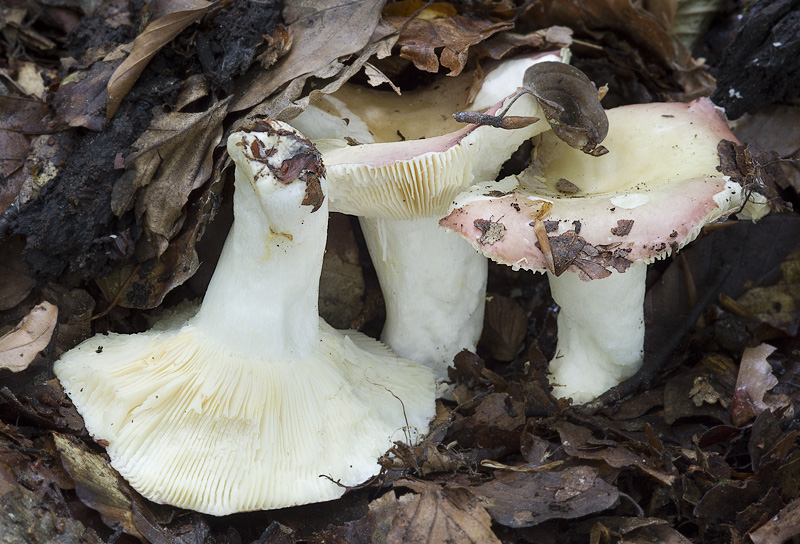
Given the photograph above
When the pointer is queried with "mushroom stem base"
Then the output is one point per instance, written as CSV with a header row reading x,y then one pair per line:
x,y
434,285
600,332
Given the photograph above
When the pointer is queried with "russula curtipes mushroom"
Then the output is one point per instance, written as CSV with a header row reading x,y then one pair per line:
x,y
582,218
254,402
406,160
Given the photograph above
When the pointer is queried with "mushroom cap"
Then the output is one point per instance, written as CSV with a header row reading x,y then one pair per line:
x,y
412,157
649,196
198,425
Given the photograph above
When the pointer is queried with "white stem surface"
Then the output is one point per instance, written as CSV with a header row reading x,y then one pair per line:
x,y
600,332
263,296
434,285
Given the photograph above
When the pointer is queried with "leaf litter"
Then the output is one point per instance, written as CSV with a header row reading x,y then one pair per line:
x,y
115,184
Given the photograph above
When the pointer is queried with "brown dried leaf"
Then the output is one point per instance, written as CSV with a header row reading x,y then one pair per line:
x,y
571,104
579,442
754,380
15,281
504,327
518,499
146,286
632,37
777,305
82,97
507,44
98,485
172,158
437,25
169,19
450,514
32,335
317,45
28,517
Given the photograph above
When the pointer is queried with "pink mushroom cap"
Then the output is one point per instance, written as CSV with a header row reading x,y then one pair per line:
x,y
649,196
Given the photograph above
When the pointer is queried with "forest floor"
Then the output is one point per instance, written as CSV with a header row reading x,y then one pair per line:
x,y
116,198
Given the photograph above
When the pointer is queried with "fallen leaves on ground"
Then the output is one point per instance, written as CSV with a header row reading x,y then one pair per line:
x,y
113,171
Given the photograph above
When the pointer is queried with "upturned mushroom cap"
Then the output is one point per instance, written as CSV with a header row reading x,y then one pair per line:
x,y
648,197
411,157
253,403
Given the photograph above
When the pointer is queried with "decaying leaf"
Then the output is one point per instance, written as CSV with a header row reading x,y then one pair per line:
x,y
169,18
777,305
172,158
504,327
32,335
98,485
437,26
441,515
579,442
782,527
518,499
630,36
82,97
317,46
754,381
571,104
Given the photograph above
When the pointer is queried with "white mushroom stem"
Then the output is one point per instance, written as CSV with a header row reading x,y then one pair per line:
x,y
600,332
432,313
263,296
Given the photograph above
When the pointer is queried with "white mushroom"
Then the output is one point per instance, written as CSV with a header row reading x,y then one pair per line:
x,y
603,219
407,159
255,402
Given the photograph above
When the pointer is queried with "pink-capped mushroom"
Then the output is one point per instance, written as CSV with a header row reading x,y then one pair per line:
x,y
594,223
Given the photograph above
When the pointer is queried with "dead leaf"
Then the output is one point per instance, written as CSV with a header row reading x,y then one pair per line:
x,y
317,45
518,499
171,159
98,485
449,514
82,97
579,442
504,327
438,26
632,37
32,335
146,286
754,380
571,104
169,19
15,280
25,517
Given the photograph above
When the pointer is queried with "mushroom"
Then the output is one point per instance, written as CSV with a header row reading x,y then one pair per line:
x,y
407,159
254,402
594,223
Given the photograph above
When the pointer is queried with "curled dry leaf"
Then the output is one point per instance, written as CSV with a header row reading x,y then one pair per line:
x,y
437,26
754,380
317,45
21,345
571,104
169,20
82,97
172,158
